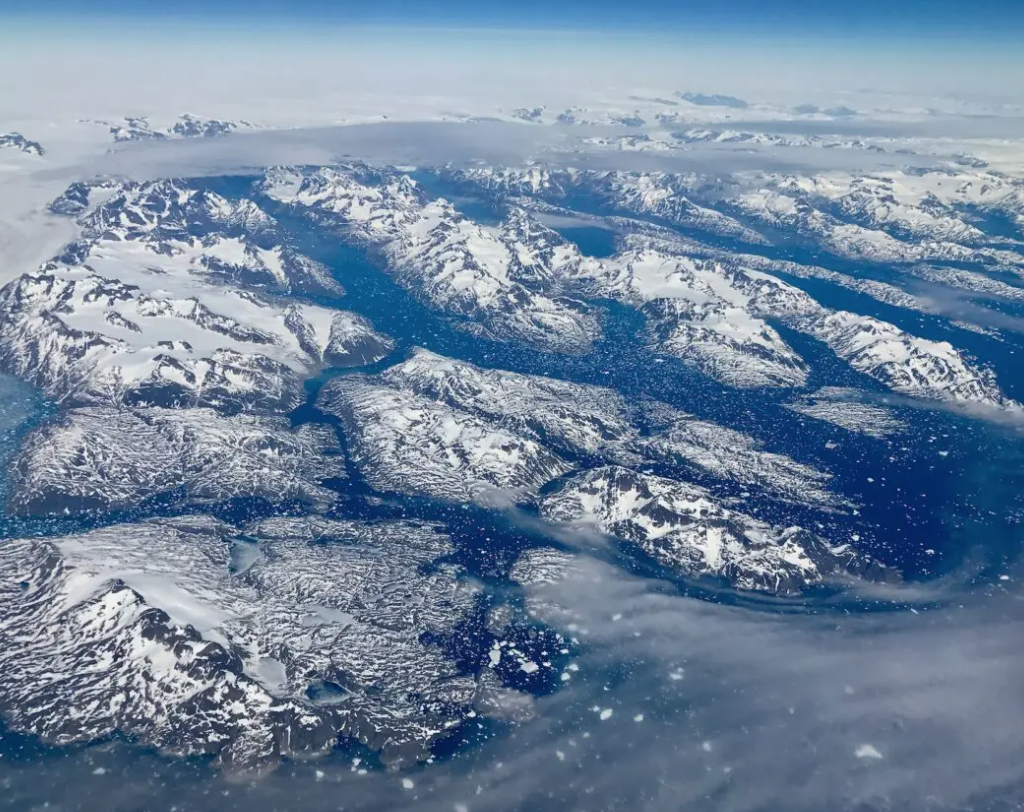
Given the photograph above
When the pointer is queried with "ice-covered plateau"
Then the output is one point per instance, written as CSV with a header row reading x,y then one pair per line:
x,y
684,527
442,427
171,298
703,135
248,644
103,458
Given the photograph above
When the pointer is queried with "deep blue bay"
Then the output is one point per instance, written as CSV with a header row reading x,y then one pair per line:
x,y
715,698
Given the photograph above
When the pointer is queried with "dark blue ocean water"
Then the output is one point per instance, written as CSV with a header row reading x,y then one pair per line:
x,y
941,502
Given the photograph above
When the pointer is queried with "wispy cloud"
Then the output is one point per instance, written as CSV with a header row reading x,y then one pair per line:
x,y
718,707
434,143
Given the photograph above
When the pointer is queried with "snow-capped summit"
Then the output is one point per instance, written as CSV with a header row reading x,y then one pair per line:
x,y
539,255
682,526
707,314
140,128
19,142
905,363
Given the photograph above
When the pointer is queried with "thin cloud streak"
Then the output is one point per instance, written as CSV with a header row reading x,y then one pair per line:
x,y
440,143
745,710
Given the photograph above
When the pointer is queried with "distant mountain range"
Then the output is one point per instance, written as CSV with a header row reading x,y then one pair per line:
x,y
19,142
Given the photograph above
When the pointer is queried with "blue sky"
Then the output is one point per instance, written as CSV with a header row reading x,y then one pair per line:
x,y
950,20
792,51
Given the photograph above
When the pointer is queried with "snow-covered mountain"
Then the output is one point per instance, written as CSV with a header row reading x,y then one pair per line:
x,y
735,457
712,314
923,206
906,364
573,418
796,217
436,426
666,197
103,459
249,644
19,142
581,421
897,216
708,315
713,321
682,526
141,128
140,311
467,271
411,444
